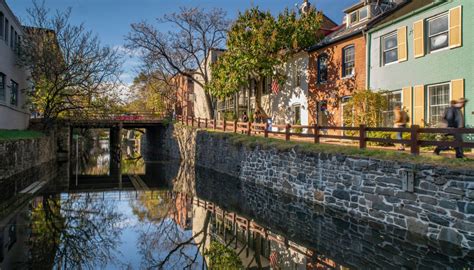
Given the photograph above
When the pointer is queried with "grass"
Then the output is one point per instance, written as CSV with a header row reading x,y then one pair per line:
x,y
353,151
19,134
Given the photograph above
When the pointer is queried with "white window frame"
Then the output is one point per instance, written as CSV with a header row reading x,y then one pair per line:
x,y
357,17
395,92
344,75
391,34
293,114
318,64
428,98
366,17
430,36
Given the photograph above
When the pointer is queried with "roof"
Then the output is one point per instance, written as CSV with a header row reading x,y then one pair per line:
x,y
342,32
357,5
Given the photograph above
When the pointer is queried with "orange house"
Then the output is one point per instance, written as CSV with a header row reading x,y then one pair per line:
x,y
337,64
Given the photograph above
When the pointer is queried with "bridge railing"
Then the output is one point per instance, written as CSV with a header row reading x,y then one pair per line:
x,y
84,116
415,136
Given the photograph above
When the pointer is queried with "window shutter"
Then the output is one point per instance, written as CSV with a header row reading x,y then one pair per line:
x,y
407,100
419,105
419,38
402,43
457,89
455,27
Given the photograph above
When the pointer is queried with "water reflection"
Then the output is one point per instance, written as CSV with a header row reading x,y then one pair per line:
x,y
171,215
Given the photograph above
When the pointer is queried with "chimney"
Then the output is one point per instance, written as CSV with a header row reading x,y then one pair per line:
x,y
305,7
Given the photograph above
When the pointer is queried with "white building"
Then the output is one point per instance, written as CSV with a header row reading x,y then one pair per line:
x,y
13,80
290,104
199,106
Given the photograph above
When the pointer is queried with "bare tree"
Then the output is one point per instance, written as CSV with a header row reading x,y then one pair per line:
x,y
186,49
70,68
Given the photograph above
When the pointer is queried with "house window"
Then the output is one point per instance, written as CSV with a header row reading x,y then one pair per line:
x,y
354,17
390,48
2,86
14,93
2,21
438,102
394,99
12,37
438,32
7,26
348,62
267,87
322,69
298,75
296,114
363,14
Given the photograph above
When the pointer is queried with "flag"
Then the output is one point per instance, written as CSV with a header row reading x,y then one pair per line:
x,y
275,86
274,260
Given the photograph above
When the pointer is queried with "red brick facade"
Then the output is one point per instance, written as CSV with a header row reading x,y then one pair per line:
x,y
184,100
336,87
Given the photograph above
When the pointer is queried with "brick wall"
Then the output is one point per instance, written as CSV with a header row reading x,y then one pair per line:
x,y
336,86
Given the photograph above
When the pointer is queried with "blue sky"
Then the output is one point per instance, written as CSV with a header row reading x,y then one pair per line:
x,y
111,19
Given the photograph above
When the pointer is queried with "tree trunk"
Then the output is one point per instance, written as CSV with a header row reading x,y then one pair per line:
x,y
209,105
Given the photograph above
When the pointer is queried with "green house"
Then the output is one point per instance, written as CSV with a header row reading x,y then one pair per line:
x,y
423,54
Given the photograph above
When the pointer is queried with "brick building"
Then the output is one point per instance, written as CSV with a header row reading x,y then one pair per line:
x,y
337,65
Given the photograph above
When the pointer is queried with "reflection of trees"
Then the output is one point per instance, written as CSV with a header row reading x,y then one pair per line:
x,y
164,244
80,231
151,206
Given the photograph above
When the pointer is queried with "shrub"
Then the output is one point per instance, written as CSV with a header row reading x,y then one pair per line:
x,y
222,257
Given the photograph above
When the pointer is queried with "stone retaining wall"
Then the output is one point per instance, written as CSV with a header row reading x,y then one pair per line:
x,y
440,207
17,156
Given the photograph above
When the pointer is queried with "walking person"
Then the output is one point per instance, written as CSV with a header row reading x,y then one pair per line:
x,y
400,121
245,117
454,118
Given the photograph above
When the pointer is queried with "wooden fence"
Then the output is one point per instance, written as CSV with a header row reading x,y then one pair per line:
x,y
355,134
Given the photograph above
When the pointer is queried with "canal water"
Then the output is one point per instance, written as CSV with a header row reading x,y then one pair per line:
x,y
95,213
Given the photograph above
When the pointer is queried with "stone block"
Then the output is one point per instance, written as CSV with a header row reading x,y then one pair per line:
x,y
416,226
450,235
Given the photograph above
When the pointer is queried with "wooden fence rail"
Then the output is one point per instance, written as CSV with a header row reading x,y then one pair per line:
x,y
360,134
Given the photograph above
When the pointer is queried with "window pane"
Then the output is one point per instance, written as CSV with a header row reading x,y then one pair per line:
x,y
439,102
348,64
438,25
354,17
390,42
322,70
390,56
363,13
439,42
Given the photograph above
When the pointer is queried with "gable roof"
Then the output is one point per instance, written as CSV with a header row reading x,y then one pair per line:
x,y
342,32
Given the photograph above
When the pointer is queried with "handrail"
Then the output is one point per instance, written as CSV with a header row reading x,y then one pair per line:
x,y
359,134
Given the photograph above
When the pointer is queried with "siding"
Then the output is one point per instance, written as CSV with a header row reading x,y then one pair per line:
x,y
437,67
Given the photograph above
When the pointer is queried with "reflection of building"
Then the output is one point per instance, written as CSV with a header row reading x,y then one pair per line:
x,y
423,54
253,242
13,79
338,62
182,212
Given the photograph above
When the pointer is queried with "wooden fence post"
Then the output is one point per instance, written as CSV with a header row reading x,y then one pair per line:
x,y
214,124
182,119
362,137
235,126
265,132
224,125
206,123
316,133
414,140
249,128
199,122
187,120
192,121
287,132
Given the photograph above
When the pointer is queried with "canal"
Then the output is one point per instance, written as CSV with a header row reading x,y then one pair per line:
x,y
93,212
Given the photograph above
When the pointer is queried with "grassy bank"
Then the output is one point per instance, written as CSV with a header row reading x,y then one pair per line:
x,y
382,154
19,134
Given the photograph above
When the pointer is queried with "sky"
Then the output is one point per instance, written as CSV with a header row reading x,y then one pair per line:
x,y
111,19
